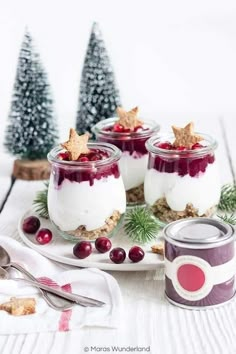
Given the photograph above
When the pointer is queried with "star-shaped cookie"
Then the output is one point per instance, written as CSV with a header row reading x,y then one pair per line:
x,y
76,145
128,120
185,136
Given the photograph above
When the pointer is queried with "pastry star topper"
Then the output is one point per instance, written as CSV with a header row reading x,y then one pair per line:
x,y
76,145
185,136
128,120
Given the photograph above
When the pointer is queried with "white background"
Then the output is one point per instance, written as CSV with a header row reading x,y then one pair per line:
x,y
172,58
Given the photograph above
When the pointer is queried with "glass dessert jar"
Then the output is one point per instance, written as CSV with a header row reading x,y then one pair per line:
x,y
86,198
134,159
179,182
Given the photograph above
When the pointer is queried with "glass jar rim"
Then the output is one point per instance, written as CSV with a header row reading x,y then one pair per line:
x,y
115,154
98,129
151,147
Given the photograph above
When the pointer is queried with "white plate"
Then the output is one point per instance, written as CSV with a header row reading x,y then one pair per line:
x,y
61,251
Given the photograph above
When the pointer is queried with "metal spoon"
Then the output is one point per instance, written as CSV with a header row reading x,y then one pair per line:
x,y
5,262
54,301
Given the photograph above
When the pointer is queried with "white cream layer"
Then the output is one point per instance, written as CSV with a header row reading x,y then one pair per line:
x,y
75,204
202,191
133,169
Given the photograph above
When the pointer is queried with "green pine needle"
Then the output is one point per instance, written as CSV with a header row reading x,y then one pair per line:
x,y
141,226
228,219
228,198
41,202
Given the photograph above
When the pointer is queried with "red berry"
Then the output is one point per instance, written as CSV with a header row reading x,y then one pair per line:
x,y
197,146
139,127
82,249
103,244
31,224
95,157
180,148
83,159
64,156
118,128
136,254
165,146
44,236
117,255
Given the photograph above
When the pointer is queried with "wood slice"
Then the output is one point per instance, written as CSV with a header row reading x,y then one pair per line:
x,y
31,170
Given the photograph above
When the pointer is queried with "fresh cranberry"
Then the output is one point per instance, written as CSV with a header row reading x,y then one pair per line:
x,y
31,224
82,249
103,244
64,156
166,145
136,254
210,158
83,159
117,255
197,146
44,236
118,128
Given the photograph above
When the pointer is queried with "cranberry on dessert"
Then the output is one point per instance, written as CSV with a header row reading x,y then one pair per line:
x,y
31,224
129,134
136,254
44,236
86,195
103,244
117,255
182,179
82,249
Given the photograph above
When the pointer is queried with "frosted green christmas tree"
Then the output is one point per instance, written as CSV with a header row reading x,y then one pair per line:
x,y
99,96
32,129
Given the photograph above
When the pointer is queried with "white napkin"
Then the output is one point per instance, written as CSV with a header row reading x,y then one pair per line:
x,y
88,282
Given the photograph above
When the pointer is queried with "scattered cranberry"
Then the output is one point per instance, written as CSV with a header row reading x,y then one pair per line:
x,y
82,249
31,224
136,254
44,236
103,244
117,255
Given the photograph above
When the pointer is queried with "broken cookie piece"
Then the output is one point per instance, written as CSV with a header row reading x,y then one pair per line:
x,y
19,306
159,249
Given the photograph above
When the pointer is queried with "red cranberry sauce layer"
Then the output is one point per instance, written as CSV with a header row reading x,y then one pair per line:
x,y
88,173
183,165
126,142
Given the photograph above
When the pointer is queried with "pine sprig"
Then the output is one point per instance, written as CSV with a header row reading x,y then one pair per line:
x,y
228,198
141,226
228,219
41,202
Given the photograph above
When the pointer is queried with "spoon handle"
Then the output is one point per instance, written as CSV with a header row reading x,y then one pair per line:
x,y
54,301
78,299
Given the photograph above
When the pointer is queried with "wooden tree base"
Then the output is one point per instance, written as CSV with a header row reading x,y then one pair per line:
x,y
31,170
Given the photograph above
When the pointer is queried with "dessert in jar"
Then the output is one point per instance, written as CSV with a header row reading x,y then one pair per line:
x,y
182,179
129,134
86,196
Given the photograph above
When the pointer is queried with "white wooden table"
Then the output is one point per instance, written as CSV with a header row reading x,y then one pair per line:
x,y
149,321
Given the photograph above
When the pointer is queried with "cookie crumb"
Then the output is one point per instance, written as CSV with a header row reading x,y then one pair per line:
x,y
19,306
159,249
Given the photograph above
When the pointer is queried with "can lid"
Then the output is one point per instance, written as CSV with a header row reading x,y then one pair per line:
x,y
199,231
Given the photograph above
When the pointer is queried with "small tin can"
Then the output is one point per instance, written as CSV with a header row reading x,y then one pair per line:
x,y
199,263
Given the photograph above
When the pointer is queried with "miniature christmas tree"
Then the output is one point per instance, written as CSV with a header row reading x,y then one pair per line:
x,y
99,96
32,130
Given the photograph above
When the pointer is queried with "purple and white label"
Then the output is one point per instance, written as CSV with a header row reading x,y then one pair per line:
x,y
193,278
